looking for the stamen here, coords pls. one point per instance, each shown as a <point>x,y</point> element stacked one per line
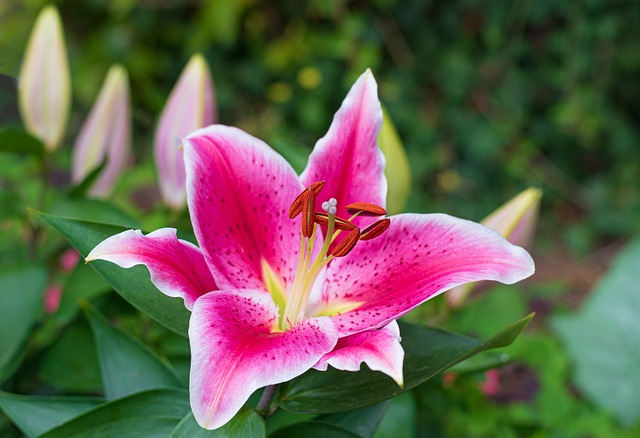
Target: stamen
<point>341,224</point>
<point>347,244</point>
<point>308,210</point>
<point>375,229</point>
<point>366,209</point>
<point>298,203</point>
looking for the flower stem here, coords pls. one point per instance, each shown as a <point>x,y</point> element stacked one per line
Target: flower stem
<point>266,407</point>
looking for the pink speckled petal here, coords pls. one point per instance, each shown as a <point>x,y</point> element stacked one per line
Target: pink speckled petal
<point>348,157</point>
<point>239,191</point>
<point>177,267</point>
<point>379,349</point>
<point>417,258</point>
<point>236,349</point>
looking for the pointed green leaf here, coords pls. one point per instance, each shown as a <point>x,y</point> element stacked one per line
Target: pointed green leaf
<point>127,365</point>
<point>146,414</point>
<point>313,429</point>
<point>397,170</point>
<point>21,294</point>
<point>363,421</point>
<point>603,338</point>
<point>18,141</point>
<point>34,415</point>
<point>246,424</point>
<point>71,363</point>
<point>132,284</point>
<point>428,352</point>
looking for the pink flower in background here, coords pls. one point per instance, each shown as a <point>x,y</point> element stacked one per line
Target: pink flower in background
<point>52,298</point>
<point>44,85</point>
<point>106,133</point>
<point>191,105</point>
<point>277,287</point>
<point>491,386</point>
<point>69,259</point>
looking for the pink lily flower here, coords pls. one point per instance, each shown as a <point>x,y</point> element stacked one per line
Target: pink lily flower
<point>190,106</point>
<point>272,296</point>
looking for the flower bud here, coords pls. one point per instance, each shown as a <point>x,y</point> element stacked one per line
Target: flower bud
<point>106,133</point>
<point>397,170</point>
<point>516,221</point>
<point>190,106</point>
<point>44,84</point>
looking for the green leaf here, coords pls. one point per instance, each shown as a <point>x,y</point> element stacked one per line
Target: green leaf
<point>94,210</point>
<point>428,351</point>
<point>313,429</point>
<point>397,170</point>
<point>132,284</point>
<point>18,141</point>
<point>363,421</point>
<point>35,415</point>
<point>401,410</point>
<point>603,338</point>
<point>71,363</point>
<point>146,414</point>
<point>21,297</point>
<point>246,424</point>
<point>127,365</point>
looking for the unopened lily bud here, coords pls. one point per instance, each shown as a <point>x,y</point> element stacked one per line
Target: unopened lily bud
<point>44,83</point>
<point>397,170</point>
<point>516,221</point>
<point>106,133</point>
<point>190,106</point>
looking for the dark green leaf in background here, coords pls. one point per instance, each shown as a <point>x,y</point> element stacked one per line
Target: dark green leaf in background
<point>147,414</point>
<point>132,284</point>
<point>18,141</point>
<point>428,351</point>
<point>362,421</point>
<point>246,424</point>
<point>21,301</point>
<point>35,415</point>
<point>313,429</point>
<point>603,338</point>
<point>127,365</point>
<point>71,363</point>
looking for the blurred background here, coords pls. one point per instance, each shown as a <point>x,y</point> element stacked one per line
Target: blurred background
<point>489,98</point>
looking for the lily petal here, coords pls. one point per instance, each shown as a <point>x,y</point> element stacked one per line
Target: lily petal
<point>235,350</point>
<point>177,267</point>
<point>348,157</point>
<point>417,258</point>
<point>239,191</point>
<point>379,349</point>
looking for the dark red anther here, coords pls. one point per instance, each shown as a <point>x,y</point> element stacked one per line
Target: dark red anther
<point>308,210</point>
<point>347,244</point>
<point>375,229</point>
<point>340,224</point>
<point>366,209</point>
<point>298,203</point>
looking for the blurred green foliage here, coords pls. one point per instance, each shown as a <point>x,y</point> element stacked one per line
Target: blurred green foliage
<point>488,97</point>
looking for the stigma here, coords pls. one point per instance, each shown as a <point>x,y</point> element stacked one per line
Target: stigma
<point>331,226</point>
